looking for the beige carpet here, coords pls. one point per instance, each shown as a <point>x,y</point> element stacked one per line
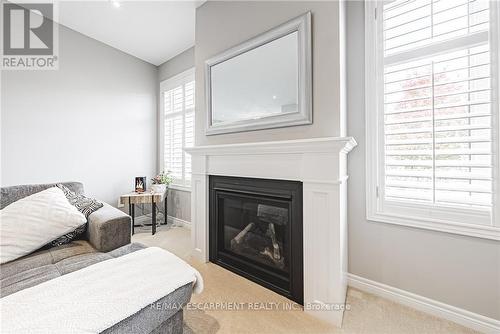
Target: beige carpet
<point>368,314</point>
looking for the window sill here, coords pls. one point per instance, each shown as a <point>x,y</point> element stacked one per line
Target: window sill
<point>180,188</point>
<point>478,231</point>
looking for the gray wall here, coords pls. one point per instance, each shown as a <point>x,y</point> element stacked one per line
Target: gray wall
<point>93,120</point>
<point>178,64</point>
<point>179,202</point>
<point>457,270</point>
<point>221,25</point>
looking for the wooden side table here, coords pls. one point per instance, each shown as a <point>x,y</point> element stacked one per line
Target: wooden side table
<point>144,198</point>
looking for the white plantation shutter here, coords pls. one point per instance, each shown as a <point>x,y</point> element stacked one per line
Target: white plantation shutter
<point>436,96</point>
<point>437,107</point>
<point>188,128</point>
<point>413,24</point>
<point>178,116</point>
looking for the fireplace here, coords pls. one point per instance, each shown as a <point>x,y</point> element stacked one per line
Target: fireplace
<point>256,231</point>
<point>318,166</point>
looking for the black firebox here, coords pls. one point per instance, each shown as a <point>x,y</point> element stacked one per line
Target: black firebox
<point>256,231</point>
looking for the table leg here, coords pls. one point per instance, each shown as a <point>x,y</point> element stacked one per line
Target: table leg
<point>131,209</point>
<point>165,210</point>
<point>153,223</point>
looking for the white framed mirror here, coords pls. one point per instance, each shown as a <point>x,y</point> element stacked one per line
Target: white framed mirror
<point>265,82</point>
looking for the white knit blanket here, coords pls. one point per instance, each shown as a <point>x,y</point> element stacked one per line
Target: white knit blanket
<point>97,297</point>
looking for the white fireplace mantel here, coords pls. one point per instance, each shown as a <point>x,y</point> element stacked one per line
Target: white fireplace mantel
<point>320,164</point>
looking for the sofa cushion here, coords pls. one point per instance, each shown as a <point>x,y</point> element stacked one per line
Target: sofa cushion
<point>80,261</point>
<point>12,274</point>
<point>74,248</point>
<point>35,260</point>
<point>45,257</point>
<point>44,265</point>
<point>33,221</point>
<point>28,278</point>
<point>126,249</point>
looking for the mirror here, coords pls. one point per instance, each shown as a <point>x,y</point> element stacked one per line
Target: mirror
<point>243,89</point>
<point>262,83</point>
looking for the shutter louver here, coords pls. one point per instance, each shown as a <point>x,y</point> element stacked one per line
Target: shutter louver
<point>179,131</point>
<point>437,102</point>
<point>189,128</point>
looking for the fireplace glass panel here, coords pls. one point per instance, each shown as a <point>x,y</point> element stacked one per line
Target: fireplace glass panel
<point>256,228</point>
<point>256,231</point>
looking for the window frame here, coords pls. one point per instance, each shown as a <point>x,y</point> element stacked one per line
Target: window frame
<point>463,221</point>
<point>166,85</point>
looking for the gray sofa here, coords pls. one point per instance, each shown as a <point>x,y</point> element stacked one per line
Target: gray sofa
<point>108,235</point>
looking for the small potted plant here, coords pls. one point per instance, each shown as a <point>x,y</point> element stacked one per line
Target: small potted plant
<point>160,182</point>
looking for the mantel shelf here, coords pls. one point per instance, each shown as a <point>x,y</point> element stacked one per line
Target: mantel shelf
<point>313,145</point>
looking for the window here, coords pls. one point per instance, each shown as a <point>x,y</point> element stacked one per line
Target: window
<point>177,106</point>
<point>432,111</point>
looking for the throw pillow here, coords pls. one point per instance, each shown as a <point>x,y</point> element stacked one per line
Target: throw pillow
<point>85,205</point>
<point>33,221</point>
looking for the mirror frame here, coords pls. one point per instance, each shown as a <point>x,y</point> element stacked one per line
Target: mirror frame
<point>303,116</point>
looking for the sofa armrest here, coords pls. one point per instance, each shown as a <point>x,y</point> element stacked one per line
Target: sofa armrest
<point>108,228</point>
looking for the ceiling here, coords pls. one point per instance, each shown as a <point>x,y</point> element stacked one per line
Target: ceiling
<point>154,31</point>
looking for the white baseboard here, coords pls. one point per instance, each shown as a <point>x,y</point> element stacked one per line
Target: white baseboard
<point>178,221</point>
<point>460,316</point>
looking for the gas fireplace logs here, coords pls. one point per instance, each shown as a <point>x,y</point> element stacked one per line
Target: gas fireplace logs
<point>268,217</point>
<point>239,238</point>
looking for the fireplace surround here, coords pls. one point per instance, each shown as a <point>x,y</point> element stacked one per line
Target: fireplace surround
<point>320,164</point>
<point>256,231</point>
